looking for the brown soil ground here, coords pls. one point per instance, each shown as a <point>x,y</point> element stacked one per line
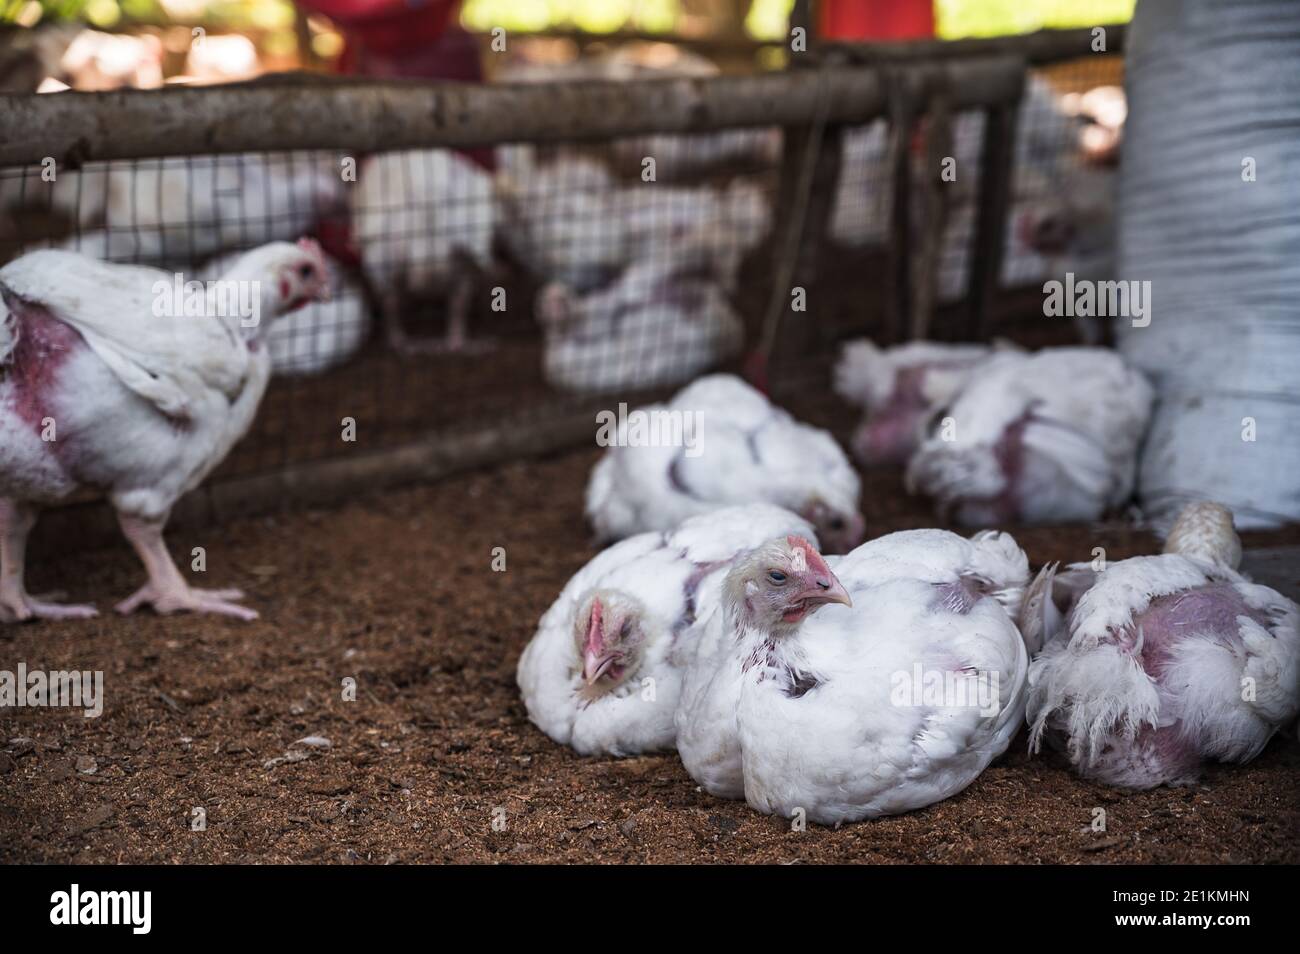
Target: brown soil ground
<point>396,591</point>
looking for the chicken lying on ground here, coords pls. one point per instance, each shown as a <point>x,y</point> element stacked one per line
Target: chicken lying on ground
<point>570,221</point>
<point>1051,436</point>
<point>895,699</point>
<point>423,221</point>
<point>182,209</point>
<point>720,442</point>
<point>556,218</point>
<point>660,323</point>
<point>1156,664</point>
<point>900,388</point>
<point>602,673</point>
<point>98,389</point>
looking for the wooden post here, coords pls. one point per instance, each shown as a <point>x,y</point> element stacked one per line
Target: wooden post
<point>997,160</point>
<point>902,124</point>
<point>934,193</point>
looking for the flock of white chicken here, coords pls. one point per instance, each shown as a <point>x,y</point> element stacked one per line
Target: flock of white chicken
<point>831,688</point>
<point>637,277</point>
<point>996,434</point>
<point>837,688</point>
<point>738,615</point>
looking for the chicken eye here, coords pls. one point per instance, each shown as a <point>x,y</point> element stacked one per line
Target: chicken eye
<point>837,523</point>
<point>776,576</point>
<point>304,271</point>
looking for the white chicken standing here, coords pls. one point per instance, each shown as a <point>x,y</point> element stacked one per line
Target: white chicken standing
<point>735,447</point>
<point>899,388</point>
<point>320,335</point>
<point>603,671</point>
<point>107,383</point>
<point>893,700</point>
<point>1156,664</point>
<point>1050,436</point>
<point>658,324</point>
<point>423,220</point>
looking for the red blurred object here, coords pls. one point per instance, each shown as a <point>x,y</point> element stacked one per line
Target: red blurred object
<point>875,19</point>
<point>405,39</point>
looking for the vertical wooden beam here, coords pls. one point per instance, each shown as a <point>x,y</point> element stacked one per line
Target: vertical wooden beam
<point>902,123</point>
<point>934,193</point>
<point>997,171</point>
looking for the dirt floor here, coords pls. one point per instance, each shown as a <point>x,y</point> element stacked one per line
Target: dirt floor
<point>396,592</point>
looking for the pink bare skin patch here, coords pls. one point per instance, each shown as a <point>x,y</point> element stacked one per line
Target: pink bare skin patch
<point>959,597</point>
<point>891,434</point>
<point>1206,610</point>
<point>44,345</point>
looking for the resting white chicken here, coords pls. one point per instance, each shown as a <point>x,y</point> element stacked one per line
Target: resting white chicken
<point>658,324</point>
<point>733,447</point>
<point>603,671</point>
<point>570,221</point>
<point>423,221</point>
<point>1156,664</point>
<point>321,334</point>
<point>182,209</point>
<point>105,384</point>
<point>702,228</point>
<point>899,388</point>
<point>893,700</point>
<point>1051,436</point>
<point>557,220</point>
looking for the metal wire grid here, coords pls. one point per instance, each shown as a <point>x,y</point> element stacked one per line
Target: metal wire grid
<point>1059,217</point>
<point>578,270</point>
<point>1061,209</point>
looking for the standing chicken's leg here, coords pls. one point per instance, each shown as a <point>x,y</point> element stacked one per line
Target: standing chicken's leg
<point>16,522</point>
<point>167,592</point>
<point>458,314</point>
<point>456,341</point>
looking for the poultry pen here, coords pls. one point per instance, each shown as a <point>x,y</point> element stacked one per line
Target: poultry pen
<point>545,196</point>
<point>764,185</point>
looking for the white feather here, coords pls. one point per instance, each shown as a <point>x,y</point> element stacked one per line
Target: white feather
<point>658,570</point>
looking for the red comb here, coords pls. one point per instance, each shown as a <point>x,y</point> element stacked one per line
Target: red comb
<point>312,248</point>
<point>815,561</point>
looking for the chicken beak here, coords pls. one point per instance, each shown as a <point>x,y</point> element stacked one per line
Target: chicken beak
<point>825,589</point>
<point>595,661</point>
<point>595,665</point>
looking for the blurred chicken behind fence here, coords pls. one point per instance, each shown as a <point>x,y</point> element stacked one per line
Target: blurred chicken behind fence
<point>534,281</point>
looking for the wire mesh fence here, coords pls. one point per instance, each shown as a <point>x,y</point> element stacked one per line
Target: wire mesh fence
<point>509,282</point>
<point>1059,213</point>
<point>467,286</point>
